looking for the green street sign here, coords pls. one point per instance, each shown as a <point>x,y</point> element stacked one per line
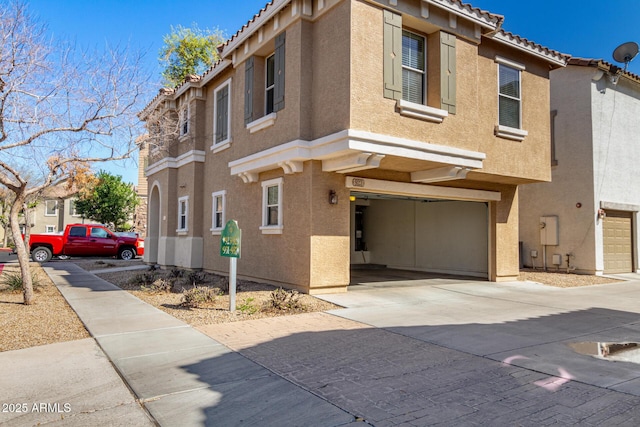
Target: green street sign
<point>230,240</point>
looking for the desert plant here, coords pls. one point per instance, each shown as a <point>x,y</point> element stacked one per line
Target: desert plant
<point>286,300</point>
<point>14,281</point>
<point>198,295</point>
<point>247,306</point>
<point>196,277</point>
<point>158,286</point>
<point>176,272</point>
<point>143,279</point>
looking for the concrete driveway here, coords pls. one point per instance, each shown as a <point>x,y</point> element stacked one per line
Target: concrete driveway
<point>524,324</point>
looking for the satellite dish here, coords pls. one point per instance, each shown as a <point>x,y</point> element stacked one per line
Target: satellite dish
<point>625,53</point>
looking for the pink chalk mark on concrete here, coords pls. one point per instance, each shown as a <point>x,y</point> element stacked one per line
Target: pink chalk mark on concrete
<point>554,383</point>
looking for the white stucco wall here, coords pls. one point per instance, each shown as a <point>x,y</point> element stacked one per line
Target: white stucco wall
<point>597,136</point>
<point>616,140</point>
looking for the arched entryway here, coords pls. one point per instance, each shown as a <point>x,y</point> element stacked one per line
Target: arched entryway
<point>153,226</point>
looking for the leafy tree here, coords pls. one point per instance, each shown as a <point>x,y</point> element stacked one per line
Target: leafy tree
<point>188,51</point>
<point>60,108</point>
<point>109,201</point>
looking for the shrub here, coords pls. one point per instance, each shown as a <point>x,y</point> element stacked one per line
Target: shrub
<point>247,307</point>
<point>159,285</point>
<point>143,279</point>
<point>198,295</point>
<point>14,281</point>
<point>176,272</point>
<point>196,277</point>
<point>286,300</point>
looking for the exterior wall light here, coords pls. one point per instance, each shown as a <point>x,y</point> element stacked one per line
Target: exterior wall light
<point>601,214</point>
<point>352,198</point>
<point>333,197</point>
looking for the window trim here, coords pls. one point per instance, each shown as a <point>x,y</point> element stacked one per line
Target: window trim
<point>422,72</point>
<point>225,143</point>
<point>223,194</point>
<point>185,118</point>
<point>184,229</point>
<point>502,131</point>
<point>55,208</point>
<point>272,229</point>
<point>271,88</point>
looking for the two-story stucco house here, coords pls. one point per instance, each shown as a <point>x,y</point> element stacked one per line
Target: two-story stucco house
<point>590,210</point>
<point>353,131</point>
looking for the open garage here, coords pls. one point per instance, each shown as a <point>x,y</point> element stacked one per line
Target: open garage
<point>432,235</point>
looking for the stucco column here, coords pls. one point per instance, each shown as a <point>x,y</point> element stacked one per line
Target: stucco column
<point>329,263</point>
<point>503,226</point>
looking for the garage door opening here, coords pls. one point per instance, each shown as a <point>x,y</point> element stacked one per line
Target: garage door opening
<point>426,237</point>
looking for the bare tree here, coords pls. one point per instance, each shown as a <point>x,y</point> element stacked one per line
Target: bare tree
<point>60,109</point>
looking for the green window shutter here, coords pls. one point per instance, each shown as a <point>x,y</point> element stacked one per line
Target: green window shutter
<point>392,63</point>
<point>222,113</point>
<point>248,90</point>
<point>448,72</point>
<point>278,87</point>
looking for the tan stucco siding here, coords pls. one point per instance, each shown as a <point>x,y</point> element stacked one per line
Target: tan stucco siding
<point>331,50</point>
<point>503,220</point>
<point>472,125</point>
<point>530,158</point>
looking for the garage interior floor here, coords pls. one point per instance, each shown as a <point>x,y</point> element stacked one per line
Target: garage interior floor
<point>362,275</point>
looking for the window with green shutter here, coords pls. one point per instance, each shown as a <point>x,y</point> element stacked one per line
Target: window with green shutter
<point>407,69</point>
<point>248,89</point>
<point>222,117</point>
<point>279,72</point>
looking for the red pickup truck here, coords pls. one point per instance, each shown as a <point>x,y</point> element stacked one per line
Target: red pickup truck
<point>84,240</point>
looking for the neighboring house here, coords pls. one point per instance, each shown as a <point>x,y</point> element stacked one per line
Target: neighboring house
<point>348,131</point>
<point>54,210</point>
<point>590,210</point>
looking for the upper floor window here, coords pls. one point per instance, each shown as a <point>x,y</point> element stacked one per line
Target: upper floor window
<point>184,120</point>
<point>269,84</point>
<point>261,105</point>
<point>413,67</point>
<point>272,206</point>
<point>183,214</point>
<point>51,207</point>
<point>221,116</point>
<point>510,100</point>
<point>406,70</point>
<point>509,105</point>
<point>218,212</point>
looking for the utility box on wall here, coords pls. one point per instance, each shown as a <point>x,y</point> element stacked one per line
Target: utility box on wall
<point>549,230</point>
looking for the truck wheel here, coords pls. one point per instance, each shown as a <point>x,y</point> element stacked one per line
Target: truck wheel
<point>126,253</point>
<point>41,254</point>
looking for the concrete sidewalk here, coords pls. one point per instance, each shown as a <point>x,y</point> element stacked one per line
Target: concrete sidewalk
<point>181,376</point>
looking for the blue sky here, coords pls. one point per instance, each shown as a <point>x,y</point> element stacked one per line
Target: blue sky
<point>587,28</point>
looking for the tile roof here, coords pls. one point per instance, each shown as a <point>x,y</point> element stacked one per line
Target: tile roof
<point>532,47</point>
<point>602,64</point>
<point>484,17</point>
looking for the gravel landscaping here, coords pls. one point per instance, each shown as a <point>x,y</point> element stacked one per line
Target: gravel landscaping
<point>51,320</point>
